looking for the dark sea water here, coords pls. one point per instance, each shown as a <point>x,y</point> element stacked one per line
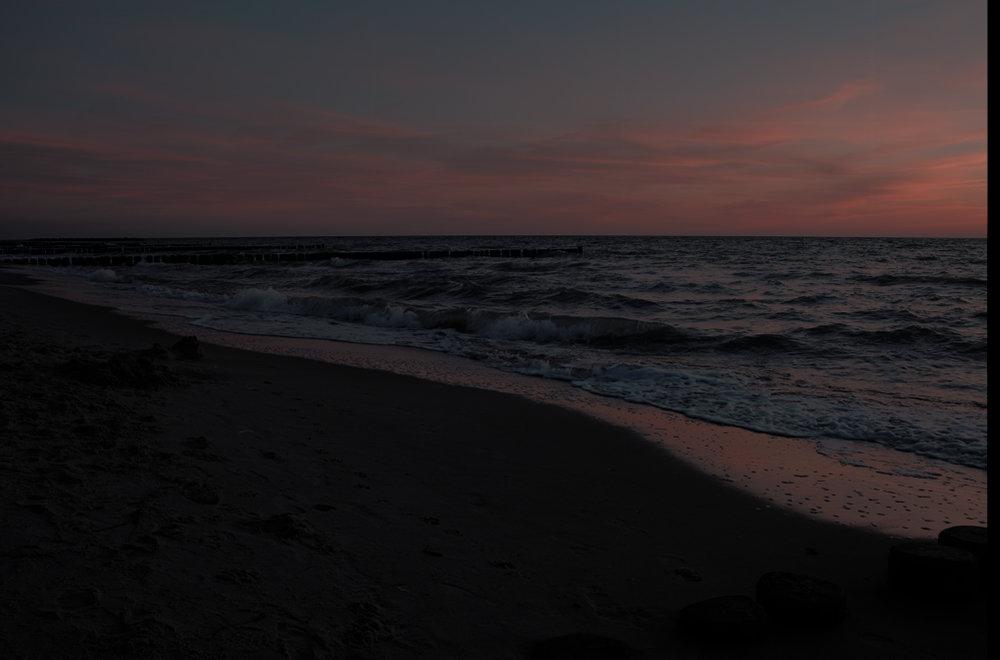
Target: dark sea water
<point>877,340</point>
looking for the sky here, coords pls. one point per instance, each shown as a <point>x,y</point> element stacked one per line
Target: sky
<point>320,118</point>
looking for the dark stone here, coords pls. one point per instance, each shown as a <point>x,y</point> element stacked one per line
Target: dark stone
<point>929,569</point>
<point>688,574</point>
<point>734,619</point>
<point>200,493</point>
<point>801,600</point>
<point>966,537</point>
<point>285,526</point>
<point>581,646</point>
<point>188,347</point>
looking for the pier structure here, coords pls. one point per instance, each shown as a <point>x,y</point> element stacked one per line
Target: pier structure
<point>43,253</point>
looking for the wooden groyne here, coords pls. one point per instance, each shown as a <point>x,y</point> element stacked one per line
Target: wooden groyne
<point>132,255</point>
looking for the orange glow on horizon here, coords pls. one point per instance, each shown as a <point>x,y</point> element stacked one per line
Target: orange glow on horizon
<point>818,166</point>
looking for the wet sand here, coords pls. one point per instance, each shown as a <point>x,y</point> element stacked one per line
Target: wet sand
<point>239,504</point>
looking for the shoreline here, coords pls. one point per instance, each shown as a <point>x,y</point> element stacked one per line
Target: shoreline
<point>859,484</point>
<point>294,508</point>
<point>884,490</point>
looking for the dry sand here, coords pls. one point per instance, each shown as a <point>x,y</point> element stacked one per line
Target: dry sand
<point>243,505</point>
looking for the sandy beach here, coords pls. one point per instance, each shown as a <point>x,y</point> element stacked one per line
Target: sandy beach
<point>175,501</point>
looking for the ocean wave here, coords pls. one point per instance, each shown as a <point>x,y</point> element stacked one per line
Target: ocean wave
<point>823,343</point>
<point>258,300</point>
<point>104,275</point>
<point>528,266</point>
<point>618,333</point>
<point>763,343</point>
<point>908,335</point>
<point>727,397</point>
<point>340,280</point>
<point>163,291</point>
<point>892,280</point>
<point>598,332</point>
<point>902,336</point>
<point>893,315</point>
<point>813,299</point>
<point>571,296</point>
<point>607,332</point>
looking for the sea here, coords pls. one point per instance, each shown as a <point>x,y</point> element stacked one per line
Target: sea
<point>871,340</point>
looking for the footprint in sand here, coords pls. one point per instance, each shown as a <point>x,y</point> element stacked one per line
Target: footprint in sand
<point>603,605</point>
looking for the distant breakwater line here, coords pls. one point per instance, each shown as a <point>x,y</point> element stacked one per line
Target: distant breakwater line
<point>132,255</point>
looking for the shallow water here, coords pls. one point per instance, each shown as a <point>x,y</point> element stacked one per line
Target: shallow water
<point>875,340</point>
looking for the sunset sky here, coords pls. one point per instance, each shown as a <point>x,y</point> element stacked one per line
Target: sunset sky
<point>146,118</point>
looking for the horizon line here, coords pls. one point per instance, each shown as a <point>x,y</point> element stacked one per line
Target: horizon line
<point>501,235</point>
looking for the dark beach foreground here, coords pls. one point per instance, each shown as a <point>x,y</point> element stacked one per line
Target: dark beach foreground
<point>192,501</point>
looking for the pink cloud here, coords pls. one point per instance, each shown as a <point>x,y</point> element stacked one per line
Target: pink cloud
<point>850,161</point>
<point>836,100</point>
